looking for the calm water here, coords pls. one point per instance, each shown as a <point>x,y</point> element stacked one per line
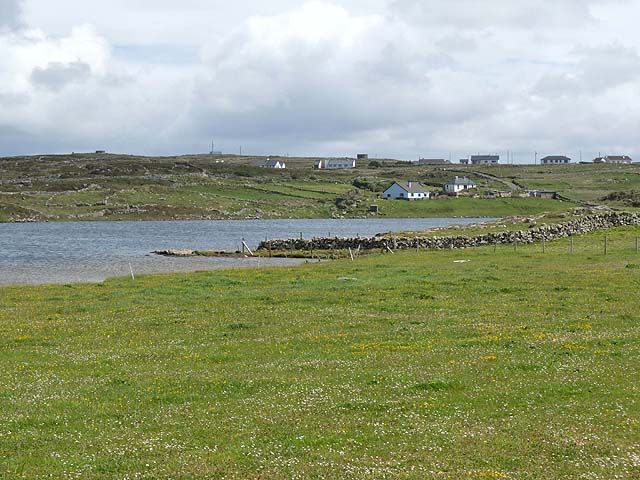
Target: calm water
<point>93,251</point>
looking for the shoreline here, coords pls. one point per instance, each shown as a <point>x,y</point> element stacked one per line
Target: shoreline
<point>185,269</point>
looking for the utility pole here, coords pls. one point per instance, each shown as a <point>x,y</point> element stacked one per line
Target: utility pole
<point>535,160</point>
<point>212,147</point>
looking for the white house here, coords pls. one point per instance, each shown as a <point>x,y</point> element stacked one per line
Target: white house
<point>484,159</point>
<point>555,160</point>
<point>616,159</point>
<point>269,163</point>
<point>459,184</point>
<point>335,164</point>
<point>406,191</point>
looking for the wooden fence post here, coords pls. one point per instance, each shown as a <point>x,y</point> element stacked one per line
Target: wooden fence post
<point>606,244</point>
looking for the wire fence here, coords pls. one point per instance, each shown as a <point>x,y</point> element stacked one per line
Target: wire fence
<point>616,244</point>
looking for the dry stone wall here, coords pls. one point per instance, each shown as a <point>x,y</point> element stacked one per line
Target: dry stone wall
<point>579,226</point>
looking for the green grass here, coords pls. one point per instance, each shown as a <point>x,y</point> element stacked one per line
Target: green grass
<point>515,365</point>
<point>119,187</point>
<point>471,207</point>
<point>578,182</point>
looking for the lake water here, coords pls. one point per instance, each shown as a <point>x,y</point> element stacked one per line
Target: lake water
<point>36,253</point>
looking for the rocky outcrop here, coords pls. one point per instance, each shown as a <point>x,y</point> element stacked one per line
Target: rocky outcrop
<point>579,226</point>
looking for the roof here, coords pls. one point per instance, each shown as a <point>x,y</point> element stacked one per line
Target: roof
<point>461,181</point>
<point>613,159</point>
<point>410,187</point>
<point>340,160</point>
<point>557,158</point>
<point>485,158</point>
<point>272,163</point>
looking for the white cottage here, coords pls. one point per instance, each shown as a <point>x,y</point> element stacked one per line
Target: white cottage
<point>274,164</point>
<point>336,164</point>
<point>459,184</point>
<point>406,191</point>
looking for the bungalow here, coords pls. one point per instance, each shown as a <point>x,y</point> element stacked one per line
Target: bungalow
<point>335,164</point>
<point>459,184</point>
<point>485,159</point>
<point>406,191</point>
<point>615,159</point>
<point>555,160</point>
<point>269,163</point>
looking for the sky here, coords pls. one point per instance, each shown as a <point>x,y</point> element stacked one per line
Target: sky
<point>392,78</point>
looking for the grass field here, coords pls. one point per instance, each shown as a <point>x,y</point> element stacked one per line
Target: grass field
<point>120,187</point>
<point>511,365</point>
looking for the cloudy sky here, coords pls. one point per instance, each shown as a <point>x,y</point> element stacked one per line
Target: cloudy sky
<point>396,78</point>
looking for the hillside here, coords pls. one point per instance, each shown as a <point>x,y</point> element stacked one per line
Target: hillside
<point>117,187</point>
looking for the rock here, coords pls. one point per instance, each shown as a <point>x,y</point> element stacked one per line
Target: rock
<point>175,253</point>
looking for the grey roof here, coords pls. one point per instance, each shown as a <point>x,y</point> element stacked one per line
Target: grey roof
<point>485,158</point>
<point>415,187</point>
<point>557,158</point>
<point>461,181</point>
<point>271,163</point>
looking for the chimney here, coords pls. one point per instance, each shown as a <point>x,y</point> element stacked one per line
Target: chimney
<point>409,183</point>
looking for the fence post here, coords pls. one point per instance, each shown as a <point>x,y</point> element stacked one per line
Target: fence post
<point>637,244</point>
<point>242,243</point>
<point>606,244</point>
<point>515,246</point>
<point>571,246</point>
<point>543,245</point>
<point>495,246</point>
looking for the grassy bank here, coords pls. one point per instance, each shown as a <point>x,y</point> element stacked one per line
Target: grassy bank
<point>512,364</point>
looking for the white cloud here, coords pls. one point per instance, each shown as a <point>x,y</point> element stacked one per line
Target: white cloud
<point>397,77</point>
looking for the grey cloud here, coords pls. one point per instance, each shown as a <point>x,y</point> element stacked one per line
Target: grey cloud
<point>457,44</point>
<point>596,71</point>
<point>10,14</point>
<point>55,76</point>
